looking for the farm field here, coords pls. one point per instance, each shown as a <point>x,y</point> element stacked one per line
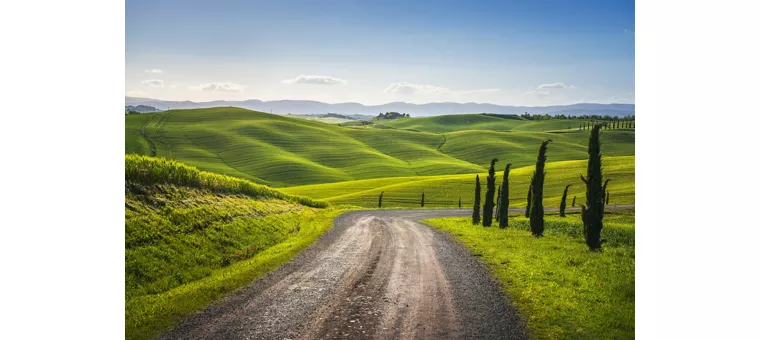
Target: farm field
<point>444,191</point>
<point>562,290</point>
<point>192,237</point>
<point>281,151</point>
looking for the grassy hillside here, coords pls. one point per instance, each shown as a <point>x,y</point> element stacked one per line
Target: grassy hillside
<point>461,122</point>
<point>445,190</point>
<point>563,290</point>
<point>282,151</point>
<point>192,236</point>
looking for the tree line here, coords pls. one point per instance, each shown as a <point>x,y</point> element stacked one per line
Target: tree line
<point>592,213</point>
<point>612,125</point>
<point>547,116</point>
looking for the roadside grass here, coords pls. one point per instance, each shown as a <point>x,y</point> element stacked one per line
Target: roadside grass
<point>192,237</point>
<point>562,290</point>
<point>283,151</point>
<point>445,190</point>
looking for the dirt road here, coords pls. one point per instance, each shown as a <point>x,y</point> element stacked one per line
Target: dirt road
<point>375,275</point>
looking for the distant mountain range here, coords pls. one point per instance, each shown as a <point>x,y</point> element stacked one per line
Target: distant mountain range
<point>430,109</point>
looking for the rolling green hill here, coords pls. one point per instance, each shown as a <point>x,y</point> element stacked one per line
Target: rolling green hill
<point>281,151</point>
<point>461,122</point>
<point>445,190</point>
<point>191,237</point>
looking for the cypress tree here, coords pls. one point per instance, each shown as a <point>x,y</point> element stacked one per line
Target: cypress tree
<point>530,200</point>
<point>498,203</point>
<point>504,204</point>
<point>460,202</point>
<point>607,201</point>
<point>562,204</point>
<point>490,191</point>
<point>422,202</point>
<point>573,201</point>
<point>592,213</point>
<point>476,206</point>
<point>537,207</point>
<point>380,200</point>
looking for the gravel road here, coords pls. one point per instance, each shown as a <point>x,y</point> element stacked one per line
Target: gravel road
<point>374,275</point>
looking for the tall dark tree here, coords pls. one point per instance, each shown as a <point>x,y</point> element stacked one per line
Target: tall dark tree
<point>490,191</point>
<point>592,213</point>
<point>498,203</point>
<point>380,200</point>
<point>607,201</point>
<point>460,202</point>
<point>422,202</point>
<point>476,206</point>
<point>562,204</point>
<point>530,200</point>
<point>504,203</point>
<point>574,201</point>
<point>537,207</point>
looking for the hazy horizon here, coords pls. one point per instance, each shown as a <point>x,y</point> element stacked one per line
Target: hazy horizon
<point>365,104</point>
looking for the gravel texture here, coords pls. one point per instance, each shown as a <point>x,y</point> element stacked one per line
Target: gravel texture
<point>375,275</point>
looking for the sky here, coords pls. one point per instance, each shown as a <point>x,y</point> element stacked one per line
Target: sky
<point>522,52</point>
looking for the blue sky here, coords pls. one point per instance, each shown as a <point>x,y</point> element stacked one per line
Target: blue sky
<point>373,52</point>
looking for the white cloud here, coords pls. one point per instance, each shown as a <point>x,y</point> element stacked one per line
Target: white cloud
<point>172,86</point>
<point>153,82</point>
<point>537,93</point>
<point>136,93</point>
<point>481,91</point>
<point>315,80</point>
<point>153,70</point>
<point>409,88</point>
<point>222,87</point>
<point>552,86</point>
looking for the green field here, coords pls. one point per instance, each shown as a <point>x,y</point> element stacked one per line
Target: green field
<point>461,122</point>
<point>281,151</point>
<point>445,190</point>
<point>191,237</point>
<point>561,289</point>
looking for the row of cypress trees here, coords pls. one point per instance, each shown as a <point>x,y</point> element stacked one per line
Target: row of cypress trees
<point>615,124</point>
<point>592,213</point>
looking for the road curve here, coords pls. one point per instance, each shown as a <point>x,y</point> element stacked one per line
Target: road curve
<point>374,275</point>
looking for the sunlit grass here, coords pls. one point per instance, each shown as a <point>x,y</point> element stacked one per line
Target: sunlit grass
<point>561,289</point>
<point>192,237</point>
<point>283,151</point>
<point>445,190</point>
